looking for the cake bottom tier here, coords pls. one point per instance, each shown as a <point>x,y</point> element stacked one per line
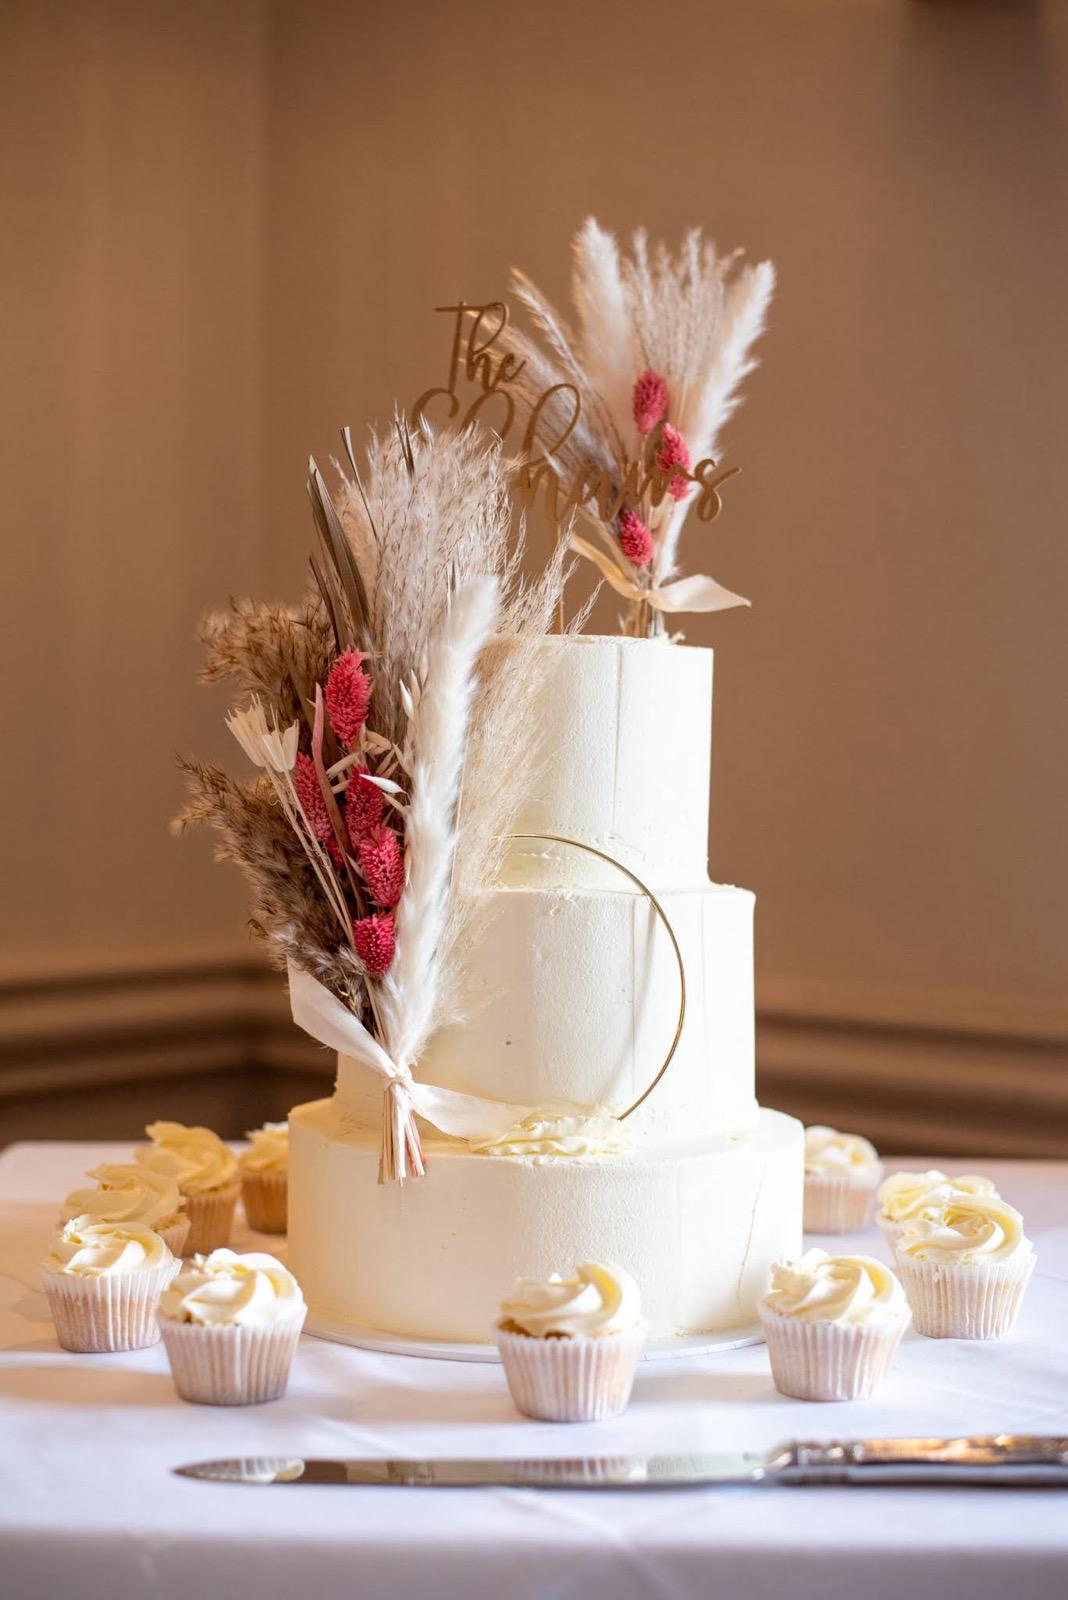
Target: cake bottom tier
<point>698,1226</point>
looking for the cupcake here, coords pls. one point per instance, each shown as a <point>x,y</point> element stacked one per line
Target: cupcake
<point>264,1171</point>
<point>132,1193</point>
<point>206,1173</point>
<point>842,1173</point>
<point>230,1325</point>
<point>833,1325</point>
<point>905,1195</point>
<point>965,1265</point>
<point>103,1282</point>
<point>570,1345</point>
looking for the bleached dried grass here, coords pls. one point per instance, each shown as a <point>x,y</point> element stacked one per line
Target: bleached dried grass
<point>427,516</point>
<point>691,316</point>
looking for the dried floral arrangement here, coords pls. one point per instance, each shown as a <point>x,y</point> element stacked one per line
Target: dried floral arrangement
<point>387,722</point>
<point>635,397</point>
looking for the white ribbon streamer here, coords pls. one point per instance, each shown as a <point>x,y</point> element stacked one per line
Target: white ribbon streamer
<point>463,1116</point>
<point>695,593</point>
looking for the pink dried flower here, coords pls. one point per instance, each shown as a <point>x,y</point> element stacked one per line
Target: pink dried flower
<point>364,804</point>
<point>382,865</point>
<point>673,451</point>
<point>348,689</point>
<point>310,795</point>
<point>635,539</point>
<point>650,401</point>
<point>374,940</point>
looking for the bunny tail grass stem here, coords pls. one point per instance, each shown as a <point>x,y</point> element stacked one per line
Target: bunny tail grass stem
<point>438,736</point>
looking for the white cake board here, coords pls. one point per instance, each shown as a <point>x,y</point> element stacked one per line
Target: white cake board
<point>668,1349</point>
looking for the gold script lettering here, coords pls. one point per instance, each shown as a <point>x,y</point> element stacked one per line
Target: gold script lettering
<point>534,470</point>
<point>478,363</point>
<point>475,331</point>
<point>709,505</point>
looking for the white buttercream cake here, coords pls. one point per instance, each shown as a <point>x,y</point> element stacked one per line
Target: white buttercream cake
<point>575,998</point>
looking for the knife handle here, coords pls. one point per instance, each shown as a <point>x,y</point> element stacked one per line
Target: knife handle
<point>998,1459</point>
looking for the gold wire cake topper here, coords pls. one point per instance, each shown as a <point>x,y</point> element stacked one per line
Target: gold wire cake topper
<point>577,844</point>
<point>493,1127</point>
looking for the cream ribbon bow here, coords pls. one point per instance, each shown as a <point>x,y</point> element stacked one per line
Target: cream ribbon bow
<point>695,593</point>
<point>464,1116</point>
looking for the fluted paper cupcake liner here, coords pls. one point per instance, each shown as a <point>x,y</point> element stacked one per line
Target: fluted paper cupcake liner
<point>264,1195</point>
<point>115,1311</point>
<point>228,1364</point>
<point>971,1300</point>
<point>211,1218</point>
<point>837,1204</point>
<point>175,1235</point>
<point>570,1380</point>
<point>829,1360</point>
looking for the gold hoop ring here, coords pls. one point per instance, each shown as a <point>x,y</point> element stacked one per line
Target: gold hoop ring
<point>576,844</point>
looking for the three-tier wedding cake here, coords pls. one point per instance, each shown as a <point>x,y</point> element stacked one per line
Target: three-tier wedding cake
<point>476,839</point>
<point>575,999</point>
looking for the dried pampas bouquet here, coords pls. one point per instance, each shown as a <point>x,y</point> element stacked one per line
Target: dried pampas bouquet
<point>385,716</point>
<point>631,401</point>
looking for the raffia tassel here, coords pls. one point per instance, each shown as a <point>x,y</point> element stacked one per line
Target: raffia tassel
<point>402,1154</point>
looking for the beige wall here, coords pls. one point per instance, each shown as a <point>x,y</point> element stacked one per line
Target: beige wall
<point>133,271</point>
<point>226,227</point>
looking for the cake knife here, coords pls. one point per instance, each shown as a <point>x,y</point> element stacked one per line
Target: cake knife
<point>1001,1459</point>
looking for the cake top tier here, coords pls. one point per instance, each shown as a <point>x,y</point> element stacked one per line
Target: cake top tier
<point>625,764</point>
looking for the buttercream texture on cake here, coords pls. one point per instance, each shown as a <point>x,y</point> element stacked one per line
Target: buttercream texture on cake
<point>573,994</point>
<point>629,737</point>
<point>573,1001</point>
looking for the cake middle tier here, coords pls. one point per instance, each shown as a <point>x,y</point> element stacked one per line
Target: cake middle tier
<point>574,997</point>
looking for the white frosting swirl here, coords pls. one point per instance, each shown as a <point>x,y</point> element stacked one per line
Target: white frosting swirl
<point>598,1300</point>
<point>963,1230</point>
<point>906,1194</point>
<point>195,1157</point>
<point>270,1149</point>
<point>253,1290</point>
<point>126,1193</point>
<point>835,1154</point>
<point>545,1135</point>
<point>826,1288</point>
<point>93,1249</point>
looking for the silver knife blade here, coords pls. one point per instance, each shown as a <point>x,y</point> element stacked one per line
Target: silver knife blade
<point>1001,1459</point>
<point>552,1472</point>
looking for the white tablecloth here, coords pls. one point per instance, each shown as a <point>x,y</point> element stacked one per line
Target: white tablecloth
<point>89,1505</point>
